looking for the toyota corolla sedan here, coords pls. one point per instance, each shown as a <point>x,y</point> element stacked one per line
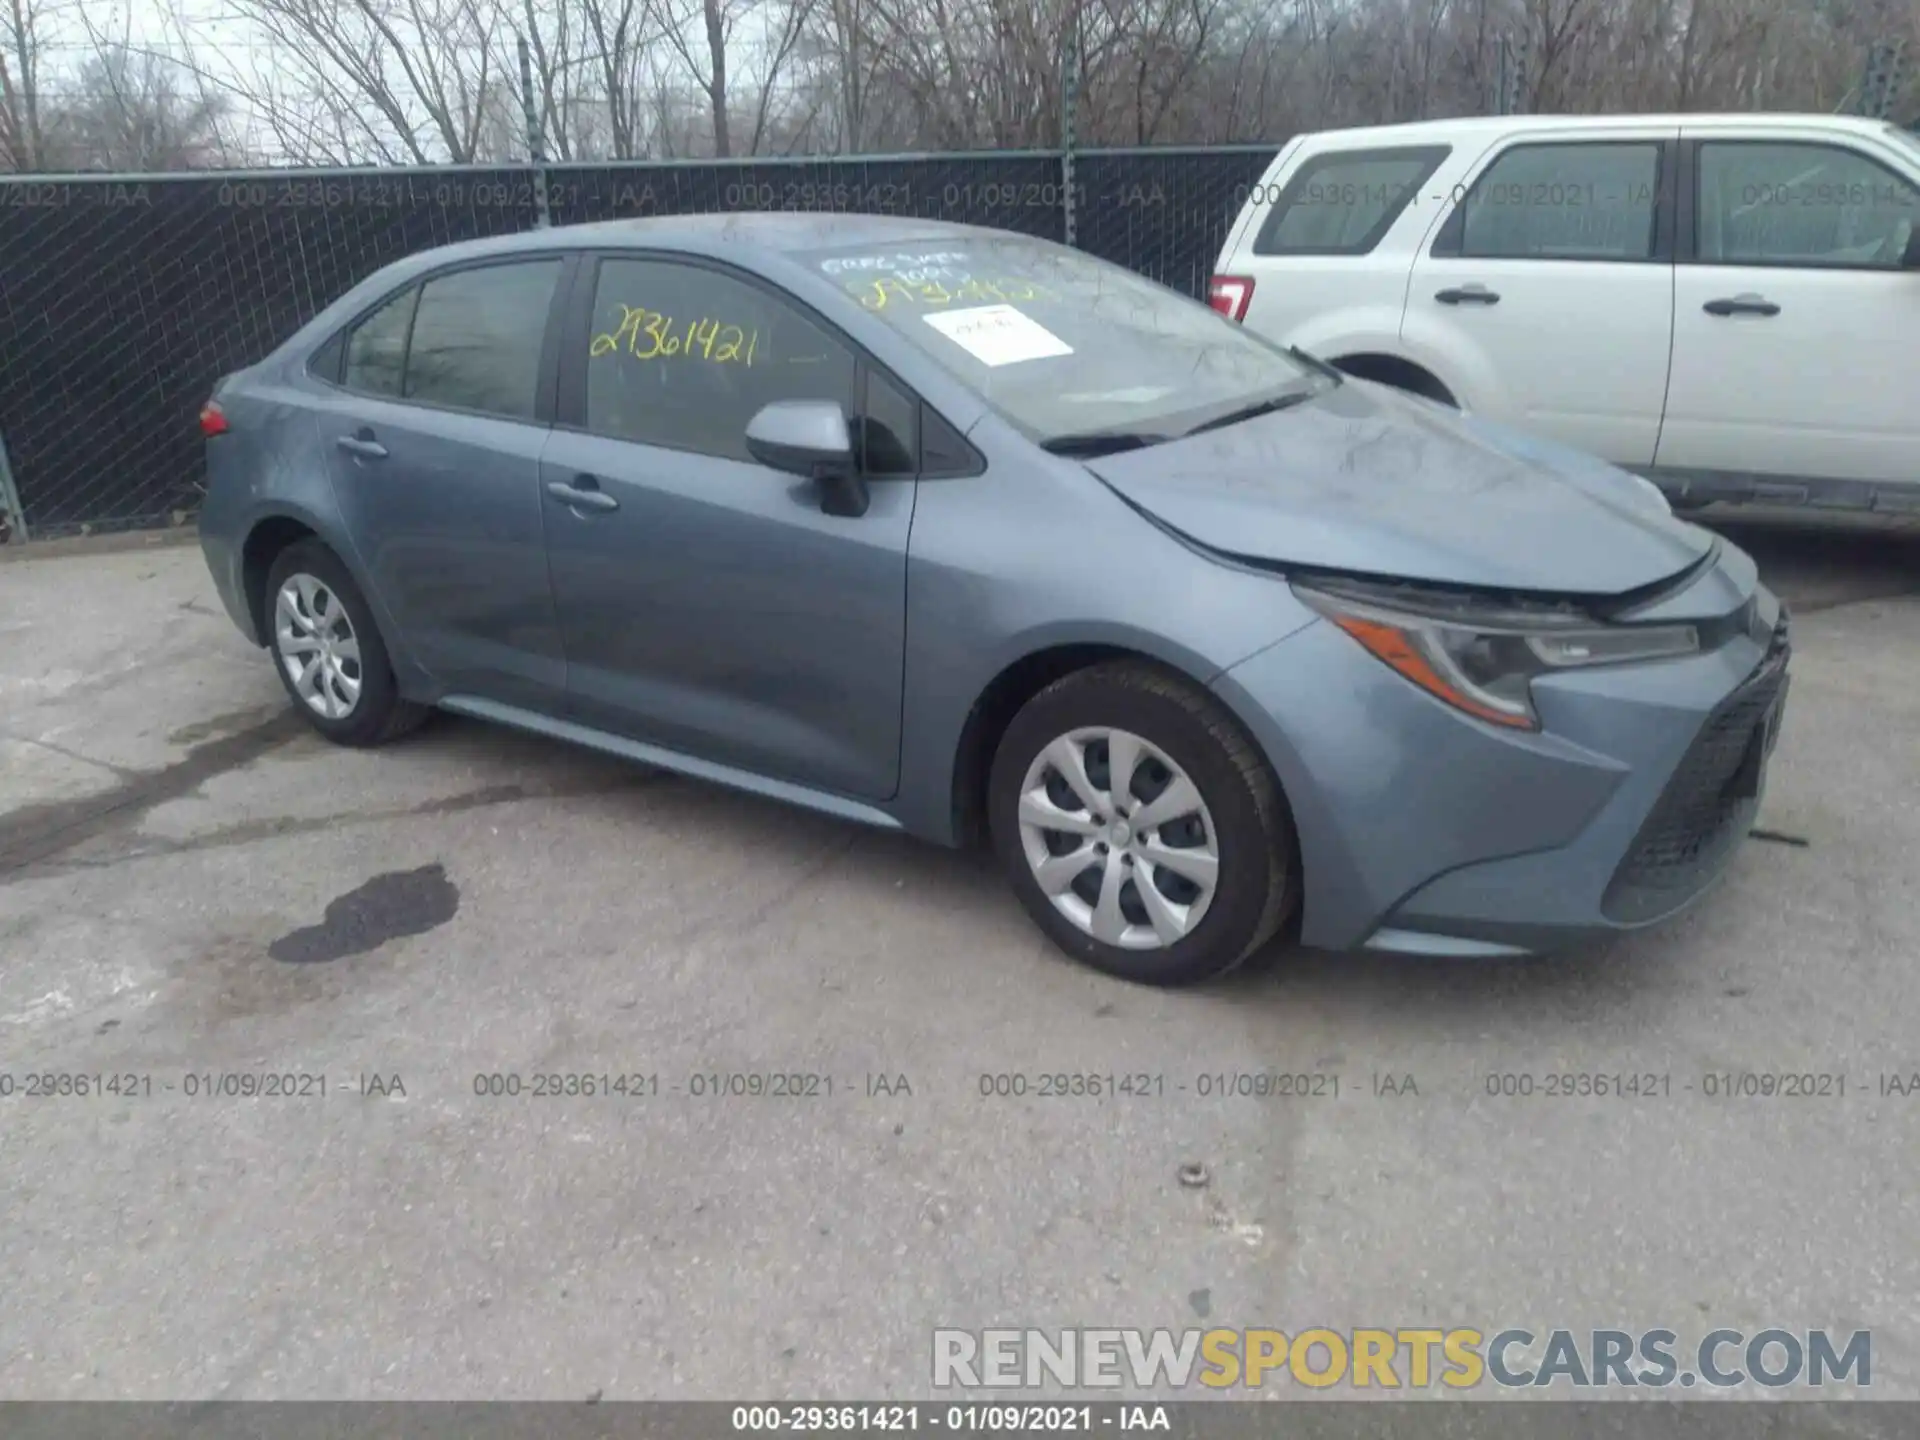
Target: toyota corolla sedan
<point>971,535</point>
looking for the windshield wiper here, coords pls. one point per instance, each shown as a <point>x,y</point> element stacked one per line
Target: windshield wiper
<point>1259,407</point>
<point>1089,443</point>
<point>1315,363</point>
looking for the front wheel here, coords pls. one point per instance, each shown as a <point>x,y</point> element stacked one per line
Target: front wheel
<point>1140,828</point>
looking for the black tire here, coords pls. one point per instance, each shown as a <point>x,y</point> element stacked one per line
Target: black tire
<point>1255,891</point>
<point>378,714</point>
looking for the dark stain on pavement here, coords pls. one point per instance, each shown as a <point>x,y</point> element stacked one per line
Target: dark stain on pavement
<point>387,907</point>
<point>39,832</point>
<point>229,724</point>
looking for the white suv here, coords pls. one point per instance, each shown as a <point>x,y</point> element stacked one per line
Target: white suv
<point>1728,304</point>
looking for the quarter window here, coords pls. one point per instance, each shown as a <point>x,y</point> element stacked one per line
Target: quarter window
<point>683,356</point>
<point>1801,205</point>
<point>889,429</point>
<point>1564,202</point>
<point>1344,203</point>
<point>478,335</point>
<point>377,349</point>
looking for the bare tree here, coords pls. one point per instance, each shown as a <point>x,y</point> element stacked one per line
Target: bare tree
<point>396,79</point>
<point>132,112</point>
<point>25,28</point>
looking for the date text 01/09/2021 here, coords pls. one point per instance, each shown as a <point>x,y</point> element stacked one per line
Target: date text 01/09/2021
<point>961,1419</point>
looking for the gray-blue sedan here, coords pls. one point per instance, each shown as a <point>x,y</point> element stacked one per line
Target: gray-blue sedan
<point>972,535</point>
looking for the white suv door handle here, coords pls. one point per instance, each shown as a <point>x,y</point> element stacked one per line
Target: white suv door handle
<point>1747,304</point>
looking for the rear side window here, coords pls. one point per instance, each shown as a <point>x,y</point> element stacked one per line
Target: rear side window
<point>377,349</point>
<point>1344,203</point>
<point>478,337</point>
<point>1588,201</point>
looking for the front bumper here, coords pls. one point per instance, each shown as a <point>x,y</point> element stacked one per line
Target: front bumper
<point>1423,831</point>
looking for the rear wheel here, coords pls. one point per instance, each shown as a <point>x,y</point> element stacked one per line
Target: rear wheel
<point>1140,828</point>
<point>328,652</point>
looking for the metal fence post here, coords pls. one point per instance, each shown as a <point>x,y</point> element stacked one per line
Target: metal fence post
<point>13,519</point>
<point>536,145</point>
<point>1069,106</point>
<point>1880,85</point>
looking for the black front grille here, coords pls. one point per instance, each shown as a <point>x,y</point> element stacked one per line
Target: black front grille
<point>1701,816</point>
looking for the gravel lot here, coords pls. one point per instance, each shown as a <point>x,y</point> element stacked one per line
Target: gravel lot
<point>193,887</point>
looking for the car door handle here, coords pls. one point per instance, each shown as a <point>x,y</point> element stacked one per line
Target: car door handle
<point>363,445</point>
<point>1468,295</point>
<point>1748,304</point>
<point>591,498</point>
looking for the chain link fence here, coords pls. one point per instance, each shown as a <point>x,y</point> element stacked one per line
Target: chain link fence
<point>123,299</point>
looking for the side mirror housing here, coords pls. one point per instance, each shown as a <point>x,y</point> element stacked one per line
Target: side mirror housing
<point>811,439</point>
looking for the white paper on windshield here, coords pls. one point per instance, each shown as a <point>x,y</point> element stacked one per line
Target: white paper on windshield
<point>998,334</point>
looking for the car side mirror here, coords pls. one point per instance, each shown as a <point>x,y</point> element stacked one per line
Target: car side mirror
<point>811,438</point>
<point>1910,257</point>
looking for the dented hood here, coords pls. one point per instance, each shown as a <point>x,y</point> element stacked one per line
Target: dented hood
<point>1367,481</point>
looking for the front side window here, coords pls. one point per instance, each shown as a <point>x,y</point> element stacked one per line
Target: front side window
<point>477,338</point>
<point>1344,203</point>
<point>684,356</point>
<point>1061,343</point>
<point>1801,205</point>
<point>1588,201</point>
<point>377,348</point>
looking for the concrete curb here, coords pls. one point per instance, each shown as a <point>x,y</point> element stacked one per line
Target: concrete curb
<point>73,545</point>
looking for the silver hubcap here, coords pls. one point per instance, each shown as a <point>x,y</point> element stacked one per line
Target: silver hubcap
<point>316,643</point>
<point>1119,838</point>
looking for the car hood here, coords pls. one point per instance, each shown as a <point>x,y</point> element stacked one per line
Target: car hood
<point>1367,481</point>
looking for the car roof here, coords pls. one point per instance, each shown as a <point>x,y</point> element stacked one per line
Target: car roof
<point>1491,126</point>
<point>770,233</point>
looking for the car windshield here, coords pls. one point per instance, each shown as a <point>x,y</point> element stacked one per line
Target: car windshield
<point>1065,345</point>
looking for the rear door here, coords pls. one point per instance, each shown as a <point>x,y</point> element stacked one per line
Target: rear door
<point>434,434</point>
<point>708,604</point>
<point>1795,326</point>
<point>1545,298</point>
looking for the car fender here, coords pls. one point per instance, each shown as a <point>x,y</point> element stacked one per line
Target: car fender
<point>1456,362</point>
<point>942,700</point>
<point>1356,330</point>
<point>416,683</point>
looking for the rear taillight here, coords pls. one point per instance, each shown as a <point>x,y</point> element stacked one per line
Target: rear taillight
<point>213,420</point>
<point>1230,295</point>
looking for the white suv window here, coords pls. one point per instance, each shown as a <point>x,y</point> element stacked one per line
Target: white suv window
<point>1587,201</point>
<point>1343,202</point>
<point>1801,204</point>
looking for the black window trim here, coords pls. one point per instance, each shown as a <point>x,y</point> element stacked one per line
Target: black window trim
<point>1450,242</point>
<point>544,392</point>
<point>576,329</point>
<point>337,340</point>
<point>1688,251</point>
<point>1434,155</point>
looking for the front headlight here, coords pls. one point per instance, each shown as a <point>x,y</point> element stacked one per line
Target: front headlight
<point>1482,658</point>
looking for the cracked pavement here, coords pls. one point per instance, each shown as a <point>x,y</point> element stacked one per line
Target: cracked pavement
<point>473,904</point>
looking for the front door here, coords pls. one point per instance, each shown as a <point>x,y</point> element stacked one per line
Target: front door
<point>1794,326</point>
<point>434,437</point>
<point>1546,295</point>
<point>706,602</point>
